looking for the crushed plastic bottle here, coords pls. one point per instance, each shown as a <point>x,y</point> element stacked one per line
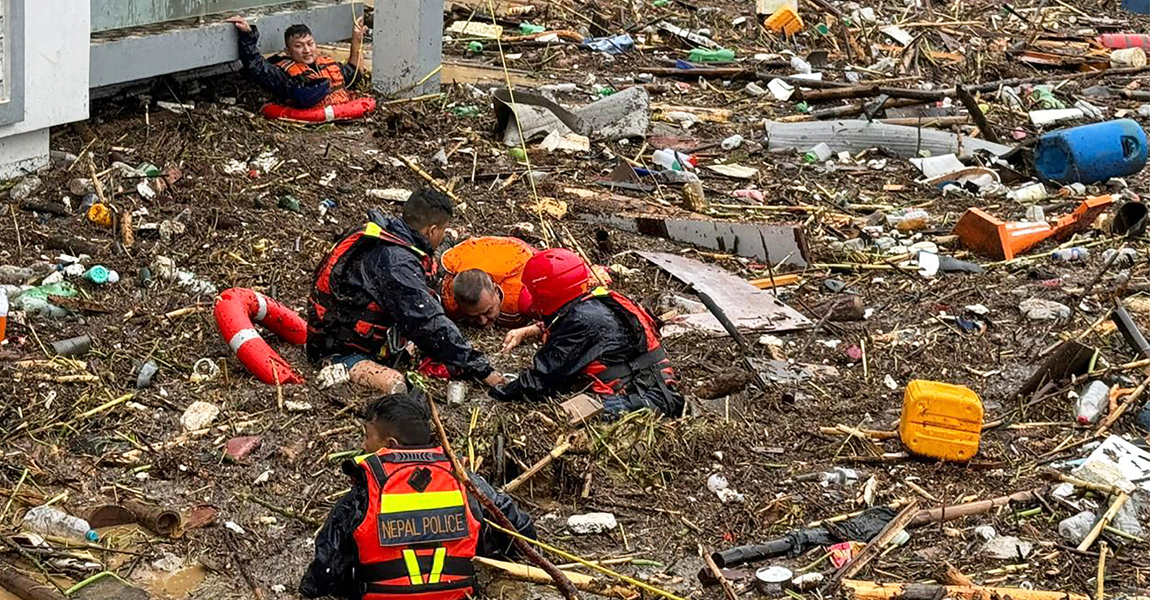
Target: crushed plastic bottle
<point>49,520</point>
<point>800,66</point>
<point>1074,254</point>
<point>672,160</point>
<point>1092,401</point>
<point>1074,529</point>
<point>819,154</point>
<point>732,142</point>
<point>63,289</point>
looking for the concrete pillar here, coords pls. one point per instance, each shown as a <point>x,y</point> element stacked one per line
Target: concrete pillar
<point>407,44</point>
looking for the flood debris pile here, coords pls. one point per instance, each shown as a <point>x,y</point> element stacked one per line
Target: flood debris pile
<point>897,252</point>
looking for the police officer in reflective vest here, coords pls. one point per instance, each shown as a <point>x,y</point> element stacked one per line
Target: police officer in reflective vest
<point>407,529</point>
<point>592,337</point>
<point>300,77</point>
<point>373,293</point>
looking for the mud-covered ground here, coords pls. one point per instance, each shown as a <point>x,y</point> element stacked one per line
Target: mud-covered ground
<point>59,438</point>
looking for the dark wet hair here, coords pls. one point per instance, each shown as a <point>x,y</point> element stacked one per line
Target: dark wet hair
<point>295,31</point>
<point>427,206</point>
<point>404,417</point>
<point>468,286</point>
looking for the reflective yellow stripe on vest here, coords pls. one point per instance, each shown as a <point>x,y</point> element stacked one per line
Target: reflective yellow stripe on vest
<point>398,503</point>
<point>412,563</point>
<point>437,565</point>
<point>600,291</point>
<point>372,230</point>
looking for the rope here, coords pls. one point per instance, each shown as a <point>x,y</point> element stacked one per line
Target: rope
<point>546,230</point>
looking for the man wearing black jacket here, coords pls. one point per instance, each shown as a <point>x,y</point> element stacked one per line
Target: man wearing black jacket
<point>398,531</point>
<point>593,338</point>
<point>300,77</point>
<point>372,294</point>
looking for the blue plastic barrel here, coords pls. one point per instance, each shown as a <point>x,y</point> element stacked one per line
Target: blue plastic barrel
<point>1091,153</point>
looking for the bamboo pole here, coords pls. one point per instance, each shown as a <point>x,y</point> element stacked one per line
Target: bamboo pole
<point>869,590</point>
<point>531,574</point>
<point>556,452</point>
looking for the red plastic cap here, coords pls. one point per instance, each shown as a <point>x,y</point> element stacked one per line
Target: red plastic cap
<point>551,279</point>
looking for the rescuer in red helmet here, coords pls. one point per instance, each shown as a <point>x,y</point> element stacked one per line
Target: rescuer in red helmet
<point>407,528</point>
<point>590,336</point>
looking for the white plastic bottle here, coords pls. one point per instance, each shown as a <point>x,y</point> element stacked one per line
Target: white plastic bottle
<point>1092,401</point>
<point>49,520</point>
<point>671,160</point>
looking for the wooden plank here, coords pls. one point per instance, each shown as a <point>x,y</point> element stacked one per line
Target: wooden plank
<point>779,280</point>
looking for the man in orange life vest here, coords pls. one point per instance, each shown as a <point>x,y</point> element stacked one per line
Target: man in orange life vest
<point>372,294</point>
<point>407,526</point>
<point>300,77</point>
<point>593,337</point>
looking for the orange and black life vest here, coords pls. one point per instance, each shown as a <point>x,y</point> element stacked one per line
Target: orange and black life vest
<point>322,68</point>
<point>650,368</point>
<point>344,322</point>
<point>419,535</point>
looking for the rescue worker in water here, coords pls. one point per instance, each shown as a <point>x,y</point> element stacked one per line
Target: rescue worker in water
<point>407,526</point>
<point>591,337</point>
<point>373,293</point>
<point>300,77</point>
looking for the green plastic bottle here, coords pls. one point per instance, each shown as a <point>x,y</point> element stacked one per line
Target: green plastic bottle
<point>475,48</point>
<point>528,29</point>
<point>706,55</point>
<point>63,289</point>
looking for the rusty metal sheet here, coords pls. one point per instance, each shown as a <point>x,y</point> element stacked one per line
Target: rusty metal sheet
<point>778,244</point>
<point>748,307</point>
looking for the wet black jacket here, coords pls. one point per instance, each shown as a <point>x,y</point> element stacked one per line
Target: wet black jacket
<point>298,92</point>
<point>393,277</point>
<point>330,573</point>
<point>581,333</point>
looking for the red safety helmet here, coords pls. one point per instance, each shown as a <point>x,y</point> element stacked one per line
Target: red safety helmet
<point>551,279</point>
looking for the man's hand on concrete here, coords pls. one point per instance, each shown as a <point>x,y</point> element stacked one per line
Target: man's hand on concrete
<point>240,23</point>
<point>494,379</point>
<point>357,30</point>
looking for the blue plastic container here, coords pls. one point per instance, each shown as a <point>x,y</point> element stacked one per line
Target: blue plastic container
<point>1141,7</point>
<point>1091,153</point>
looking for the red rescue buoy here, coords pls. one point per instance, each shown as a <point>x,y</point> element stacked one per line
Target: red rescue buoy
<point>352,109</point>
<point>236,309</point>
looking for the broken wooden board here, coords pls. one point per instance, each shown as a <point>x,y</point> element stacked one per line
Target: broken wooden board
<point>748,307</point>
<point>469,72</point>
<point>777,244</point>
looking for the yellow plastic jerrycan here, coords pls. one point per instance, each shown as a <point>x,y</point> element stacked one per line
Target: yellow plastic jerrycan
<point>785,20</point>
<point>941,420</point>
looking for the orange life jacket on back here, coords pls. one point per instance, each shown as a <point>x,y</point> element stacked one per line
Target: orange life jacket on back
<point>419,535</point>
<point>339,323</point>
<point>322,68</point>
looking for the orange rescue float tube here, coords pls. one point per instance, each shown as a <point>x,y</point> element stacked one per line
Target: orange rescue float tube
<point>344,111</point>
<point>236,309</point>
